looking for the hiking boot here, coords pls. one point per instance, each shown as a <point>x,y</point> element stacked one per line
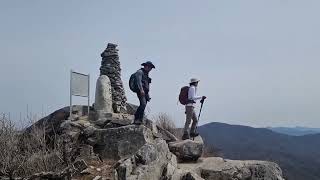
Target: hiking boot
<point>194,134</point>
<point>185,136</point>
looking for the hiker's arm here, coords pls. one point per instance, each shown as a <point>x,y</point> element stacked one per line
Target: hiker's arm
<point>192,94</point>
<point>139,80</point>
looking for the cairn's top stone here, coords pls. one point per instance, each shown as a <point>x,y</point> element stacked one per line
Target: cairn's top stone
<point>111,50</point>
<point>110,66</point>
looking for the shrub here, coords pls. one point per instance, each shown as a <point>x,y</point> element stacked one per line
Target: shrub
<point>164,121</point>
<point>23,154</point>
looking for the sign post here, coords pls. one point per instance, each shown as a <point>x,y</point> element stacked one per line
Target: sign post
<point>79,86</point>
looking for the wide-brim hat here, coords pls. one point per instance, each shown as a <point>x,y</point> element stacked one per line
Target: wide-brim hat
<point>148,63</point>
<point>194,80</point>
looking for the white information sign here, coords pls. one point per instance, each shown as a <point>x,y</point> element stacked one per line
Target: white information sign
<point>79,86</point>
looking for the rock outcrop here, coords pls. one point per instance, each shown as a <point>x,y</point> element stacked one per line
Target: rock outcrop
<point>218,168</point>
<point>141,152</point>
<point>109,120</point>
<point>153,161</point>
<point>121,142</point>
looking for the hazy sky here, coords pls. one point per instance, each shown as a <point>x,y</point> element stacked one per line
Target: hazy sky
<point>258,60</point>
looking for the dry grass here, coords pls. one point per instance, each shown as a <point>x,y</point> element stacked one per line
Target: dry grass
<point>164,121</point>
<point>25,154</point>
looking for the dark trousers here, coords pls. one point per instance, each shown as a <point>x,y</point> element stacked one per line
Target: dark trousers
<point>138,116</point>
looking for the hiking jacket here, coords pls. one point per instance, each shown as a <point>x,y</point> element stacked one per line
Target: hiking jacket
<point>143,80</point>
<point>192,95</point>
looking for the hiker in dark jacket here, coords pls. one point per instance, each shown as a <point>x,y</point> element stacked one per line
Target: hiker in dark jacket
<point>190,112</point>
<point>143,82</point>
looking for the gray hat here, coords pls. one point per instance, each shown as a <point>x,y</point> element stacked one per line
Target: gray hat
<point>148,63</point>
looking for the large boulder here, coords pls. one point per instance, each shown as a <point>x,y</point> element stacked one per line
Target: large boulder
<point>187,150</point>
<point>218,168</point>
<point>118,143</point>
<point>103,96</point>
<point>111,120</point>
<point>153,161</point>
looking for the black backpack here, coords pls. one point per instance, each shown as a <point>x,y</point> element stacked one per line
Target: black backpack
<point>133,83</point>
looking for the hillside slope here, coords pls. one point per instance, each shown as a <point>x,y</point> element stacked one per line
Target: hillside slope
<point>298,156</point>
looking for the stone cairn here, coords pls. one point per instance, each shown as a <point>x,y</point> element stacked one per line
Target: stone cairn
<point>110,66</point>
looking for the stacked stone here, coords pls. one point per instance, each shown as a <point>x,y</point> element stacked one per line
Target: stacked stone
<point>110,66</point>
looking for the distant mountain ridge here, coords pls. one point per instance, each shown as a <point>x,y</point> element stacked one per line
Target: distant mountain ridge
<point>295,131</point>
<point>298,156</point>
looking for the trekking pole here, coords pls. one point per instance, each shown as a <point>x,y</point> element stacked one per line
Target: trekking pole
<point>199,117</point>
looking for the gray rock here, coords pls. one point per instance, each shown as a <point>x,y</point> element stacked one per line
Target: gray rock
<point>70,129</point>
<point>146,154</point>
<point>57,123</point>
<point>170,169</point>
<point>102,122</point>
<point>121,142</point>
<point>97,178</point>
<point>150,162</point>
<point>112,120</point>
<point>187,150</point>
<point>124,170</point>
<point>218,168</point>
<point>182,174</point>
<point>150,124</point>
<point>103,96</point>
<point>89,131</point>
<point>190,176</point>
<point>86,153</point>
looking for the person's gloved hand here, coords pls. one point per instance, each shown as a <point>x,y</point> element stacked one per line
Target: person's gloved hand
<point>203,98</point>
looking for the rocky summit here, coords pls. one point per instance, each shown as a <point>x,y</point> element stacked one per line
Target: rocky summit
<point>142,152</point>
<point>106,145</point>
